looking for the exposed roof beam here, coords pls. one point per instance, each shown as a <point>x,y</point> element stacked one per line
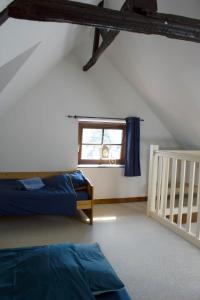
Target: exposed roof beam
<point>103,33</point>
<point>3,16</point>
<point>140,6</point>
<point>108,38</point>
<point>171,26</point>
<point>104,45</point>
<point>148,6</point>
<point>97,33</point>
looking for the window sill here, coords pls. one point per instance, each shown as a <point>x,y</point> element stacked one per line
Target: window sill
<point>101,166</point>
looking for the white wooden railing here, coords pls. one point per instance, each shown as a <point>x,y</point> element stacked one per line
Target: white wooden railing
<point>174,191</point>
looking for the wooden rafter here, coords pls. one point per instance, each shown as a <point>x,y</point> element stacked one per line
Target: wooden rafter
<point>140,6</point>
<point>97,33</point>
<point>146,6</point>
<point>65,11</point>
<point>108,38</point>
<point>104,45</point>
<point>144,18</point>
<point>3,16</point>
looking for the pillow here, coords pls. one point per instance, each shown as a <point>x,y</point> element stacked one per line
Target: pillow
<point>100,274</point>
<point>78,180</point>
<point>60,182</point>
<point>32,183</point>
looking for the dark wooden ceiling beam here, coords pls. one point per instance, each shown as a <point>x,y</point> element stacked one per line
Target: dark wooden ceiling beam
<point>171,26</point>
<point>3,16</point>
<point>104,45</point>
<point>108,38</point>
<point>97,33</point>
<point>103,33</point>
<point>148,6</point>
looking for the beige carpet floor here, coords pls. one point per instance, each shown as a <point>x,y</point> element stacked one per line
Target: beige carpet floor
<point>153,262</point>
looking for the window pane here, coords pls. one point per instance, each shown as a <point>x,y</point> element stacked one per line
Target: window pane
<point>92,136</point>
<point>91,152</point>
<point>114,152</point>
<point>113,136</point>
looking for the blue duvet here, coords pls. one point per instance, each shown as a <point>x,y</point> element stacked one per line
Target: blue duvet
<point>49,201</point>
<point>38,274</point>
<point>57,272</point>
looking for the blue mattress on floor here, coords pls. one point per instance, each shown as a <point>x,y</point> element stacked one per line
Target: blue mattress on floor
<point>119,295</point>
<point>60,271</point>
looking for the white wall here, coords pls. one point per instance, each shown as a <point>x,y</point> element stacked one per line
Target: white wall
<point>35,135</point>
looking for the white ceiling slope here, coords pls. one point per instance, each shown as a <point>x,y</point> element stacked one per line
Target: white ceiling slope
<point>165,72</point>
<point>4,4</point>
<point>29,50</point>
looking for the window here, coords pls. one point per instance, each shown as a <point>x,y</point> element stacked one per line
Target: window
<point>101,143</point>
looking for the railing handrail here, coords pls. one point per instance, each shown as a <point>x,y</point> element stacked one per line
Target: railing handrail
<point>182,155</point>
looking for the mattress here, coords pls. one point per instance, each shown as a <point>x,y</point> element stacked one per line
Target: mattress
<point>62,271</point>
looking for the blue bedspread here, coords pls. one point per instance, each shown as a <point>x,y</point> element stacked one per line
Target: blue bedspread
<point>47,201</point>
<point>37,274</point>
<point>54,272</point>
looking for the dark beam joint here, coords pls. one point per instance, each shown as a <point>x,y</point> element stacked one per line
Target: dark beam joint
<point>103,33</point>
<point>149,6</point>
<point>97,33</point>
<point>143,7</point>
<point>108,38</point>
<point>104,45</point>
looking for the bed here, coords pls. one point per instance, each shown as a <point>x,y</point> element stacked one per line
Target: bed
<point>61,271</point>
<point>46,200</point>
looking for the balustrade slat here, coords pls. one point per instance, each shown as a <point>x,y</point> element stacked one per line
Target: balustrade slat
<point>173,188</point>
<point>182,192</point>
<point>159,181</point>
<point>165,186</point>
<point>190,195</point>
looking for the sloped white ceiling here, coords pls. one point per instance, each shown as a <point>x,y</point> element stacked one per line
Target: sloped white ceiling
<point>49,42</point>
<point>4,4</point>
<point>29,50</point>
<point>165,72</point>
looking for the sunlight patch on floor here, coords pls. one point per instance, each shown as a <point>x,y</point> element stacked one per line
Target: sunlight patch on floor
<point>104,219</point>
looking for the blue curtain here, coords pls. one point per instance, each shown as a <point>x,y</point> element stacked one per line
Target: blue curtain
<point>132,155</point>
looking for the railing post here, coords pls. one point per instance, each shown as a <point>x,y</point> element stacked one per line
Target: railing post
<point>153,168</point>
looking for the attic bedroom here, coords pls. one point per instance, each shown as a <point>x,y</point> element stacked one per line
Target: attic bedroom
<point>99,150</point>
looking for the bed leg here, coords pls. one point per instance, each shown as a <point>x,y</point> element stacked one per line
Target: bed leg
<point>89,214</point>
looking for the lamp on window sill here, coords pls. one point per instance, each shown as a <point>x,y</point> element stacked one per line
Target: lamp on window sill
<point>105,152</point>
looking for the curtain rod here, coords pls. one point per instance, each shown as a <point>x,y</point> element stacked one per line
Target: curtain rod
<point>103,118</point>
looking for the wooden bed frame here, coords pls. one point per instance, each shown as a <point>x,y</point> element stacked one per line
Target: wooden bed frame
<point>86,206</point>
